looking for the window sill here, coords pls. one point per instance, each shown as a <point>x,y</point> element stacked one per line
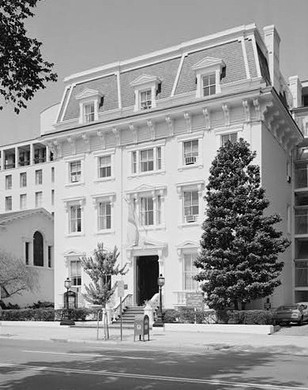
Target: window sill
<point>187,224</point>
<point>79,183</point>
<point>104,179</point>
<point>79,234</point>
<point>148,173</point>
<point>107,231</point>
<point>185,167</point>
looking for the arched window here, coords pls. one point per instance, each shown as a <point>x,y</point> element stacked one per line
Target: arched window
<point>38,249</point>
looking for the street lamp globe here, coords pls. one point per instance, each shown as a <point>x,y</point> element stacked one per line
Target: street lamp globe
<point>67,283</point>
<point>161,280</point>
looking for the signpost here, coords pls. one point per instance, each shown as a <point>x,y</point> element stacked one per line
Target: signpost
<point>121,295</point>
<point>195,300</point>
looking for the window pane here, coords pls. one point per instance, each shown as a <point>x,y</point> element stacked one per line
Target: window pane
<point>75,219</point>
<point>145,100</point>
<point>158,158</point>
<point>75,171</point>
<point>190,152</point>
<point>147,160</point>
<point>209,84</point>
<point>134,162</point>
<point>147,211</point>
<point>105,166</point>
<point>89,112</point>
<point>38,249</point>
<point>104,215</point>
<point>75,271</point>
<point>39,176</point>
<point>190,271</point>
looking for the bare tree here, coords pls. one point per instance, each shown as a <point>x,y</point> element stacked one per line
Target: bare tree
<point>15,276</point>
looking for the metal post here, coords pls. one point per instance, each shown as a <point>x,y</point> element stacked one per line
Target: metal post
<point>121,320</point>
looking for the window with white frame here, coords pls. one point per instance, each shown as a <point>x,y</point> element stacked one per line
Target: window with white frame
<point>104,166</point>
<point>189,271</point>
<point>209,84</point>
<point>89,102</point>
<point>104,215</point>
<point>190,194</point>
<point>75,272</point>
<point>23,201</point>
<point>75,171</point>
<point>38,177</point>
<point>147,160</point>
<point>146,99</point>
<point>209,73</point>
<point>146,89</point>
<point>89,112</point>
<point>75,218</point>
<point>38,199</point>
<point>103,204</point>
<point>8,182</point>
<point>8,203</point>
<point>23,179</point>
<point>146,210</point>
<point>232,137</point>
<point>191,205</point>
<point>190,152</point>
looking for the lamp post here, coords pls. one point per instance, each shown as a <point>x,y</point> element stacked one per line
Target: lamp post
<point>159,321</point>
<point>66,318</point>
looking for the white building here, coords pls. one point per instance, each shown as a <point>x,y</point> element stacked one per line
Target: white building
<point>300,239</point>
<point>28,235</point>
<point>132,144</point>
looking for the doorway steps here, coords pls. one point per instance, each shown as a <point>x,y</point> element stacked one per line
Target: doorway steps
<point>128,317</point>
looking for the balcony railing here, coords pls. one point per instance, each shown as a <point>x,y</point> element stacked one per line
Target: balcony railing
<point>9,165</point>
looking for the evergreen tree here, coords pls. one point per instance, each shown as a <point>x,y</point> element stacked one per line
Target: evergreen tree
<point>100,268</point>
<point>238,260</point>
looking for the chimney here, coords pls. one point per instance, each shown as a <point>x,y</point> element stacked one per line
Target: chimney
<point>272,42</point>
<point>296,90</point>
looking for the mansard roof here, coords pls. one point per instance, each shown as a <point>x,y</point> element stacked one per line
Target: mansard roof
<point>173,68</point>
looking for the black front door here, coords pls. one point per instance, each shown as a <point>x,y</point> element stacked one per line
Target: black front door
<point>146,278</point>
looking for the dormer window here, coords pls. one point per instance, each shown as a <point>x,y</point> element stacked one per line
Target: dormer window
<point>209,72</point>
<point>146,90</point>
<point>209,84</point>
<point>89,112</point>
<point>89,101</point>
<point>146,99</point>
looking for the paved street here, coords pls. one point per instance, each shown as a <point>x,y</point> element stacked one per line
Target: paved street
<point>59,366</point>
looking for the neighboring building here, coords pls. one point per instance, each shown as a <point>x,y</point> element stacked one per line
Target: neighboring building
<point>300,240</point>
<point>28,235</point>
<point>27,177</point>
<point>132,143</point>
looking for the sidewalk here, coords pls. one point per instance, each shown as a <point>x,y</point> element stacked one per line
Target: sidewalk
<point>198,342</point>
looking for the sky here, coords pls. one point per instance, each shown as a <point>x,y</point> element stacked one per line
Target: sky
<point>82,34</point>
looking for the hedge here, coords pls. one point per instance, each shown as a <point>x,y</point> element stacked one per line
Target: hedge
<point>45,314</point>
<point>190,316</point>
